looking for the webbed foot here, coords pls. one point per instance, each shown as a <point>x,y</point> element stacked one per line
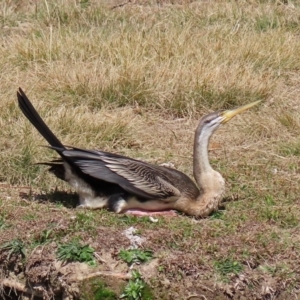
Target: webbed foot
<point>143,213</point>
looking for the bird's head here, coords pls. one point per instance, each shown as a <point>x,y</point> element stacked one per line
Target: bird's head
<point>212,121</point>
<point>210,181</point>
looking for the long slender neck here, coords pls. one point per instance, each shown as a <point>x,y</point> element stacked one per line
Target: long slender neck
<point>210,182</point>
<point>201,162</point>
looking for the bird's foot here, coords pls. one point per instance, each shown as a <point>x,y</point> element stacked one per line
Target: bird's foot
<point>143,213</point>
<point>81,206</point>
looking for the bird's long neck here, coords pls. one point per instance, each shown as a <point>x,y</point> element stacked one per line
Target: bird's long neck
<point>201,163</point>
<point>210,182</point>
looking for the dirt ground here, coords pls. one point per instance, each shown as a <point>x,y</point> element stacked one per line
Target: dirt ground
<point>179,270</point>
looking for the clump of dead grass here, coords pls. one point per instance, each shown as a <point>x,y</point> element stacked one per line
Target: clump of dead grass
<point>79,59</point>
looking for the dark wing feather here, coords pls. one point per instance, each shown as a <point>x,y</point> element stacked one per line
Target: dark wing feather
<point>136,177</point>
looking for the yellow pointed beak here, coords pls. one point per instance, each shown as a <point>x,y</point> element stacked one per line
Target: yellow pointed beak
<point>229,114</point>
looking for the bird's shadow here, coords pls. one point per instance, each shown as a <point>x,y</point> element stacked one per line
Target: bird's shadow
<point>66,199</point>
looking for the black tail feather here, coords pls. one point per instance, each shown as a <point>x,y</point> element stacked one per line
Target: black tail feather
<point>35,119</point>
<point>57,169</point>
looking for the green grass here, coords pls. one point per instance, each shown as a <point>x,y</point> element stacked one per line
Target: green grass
<point>123,221</point>
<point>3,222</point>
<point>75,251</point>
<point>14,247</point>
<point>21,166</point>
<point>227,266</point>
<point>46,236</point>
<point>136,289</point>
<point>83,221</point>
<point>266,23</point>
<point>30,217</point>
<point>278,270</point>
<point>101,293</point>
<point>135,255</point>
<point>290,149</point>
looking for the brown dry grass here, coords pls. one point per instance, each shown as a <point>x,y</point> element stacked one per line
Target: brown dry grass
<point>135,80</point>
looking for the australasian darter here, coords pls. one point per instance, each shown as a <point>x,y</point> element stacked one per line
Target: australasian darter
<point>123,184</point>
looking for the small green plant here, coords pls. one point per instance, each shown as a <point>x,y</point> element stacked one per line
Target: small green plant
<point>74,251</point>
<point>217,214</point>
<point>3,223</point>
<point>290,149</point>
<point>132,220</point>
<point>266,23</point>
<point>277,270</point>
<point>29,217</point>
<point>43,238</point>
<point>16,247</point>
<point>102,292</point>
<point>135,255</point>
<point>134,288</point>
<point>84,222</point>
<point>84,3</point>
<point>285,219</point>
<point>228,266</point>
<point>96,289</point>
<point>161,269</point>
<point>269,200</point>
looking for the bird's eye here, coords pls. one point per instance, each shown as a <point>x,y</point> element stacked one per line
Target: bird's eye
<point>207,121</point>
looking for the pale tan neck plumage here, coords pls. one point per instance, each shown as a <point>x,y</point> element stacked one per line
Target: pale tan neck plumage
<point>201,162</point>
<point>210,182</point>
